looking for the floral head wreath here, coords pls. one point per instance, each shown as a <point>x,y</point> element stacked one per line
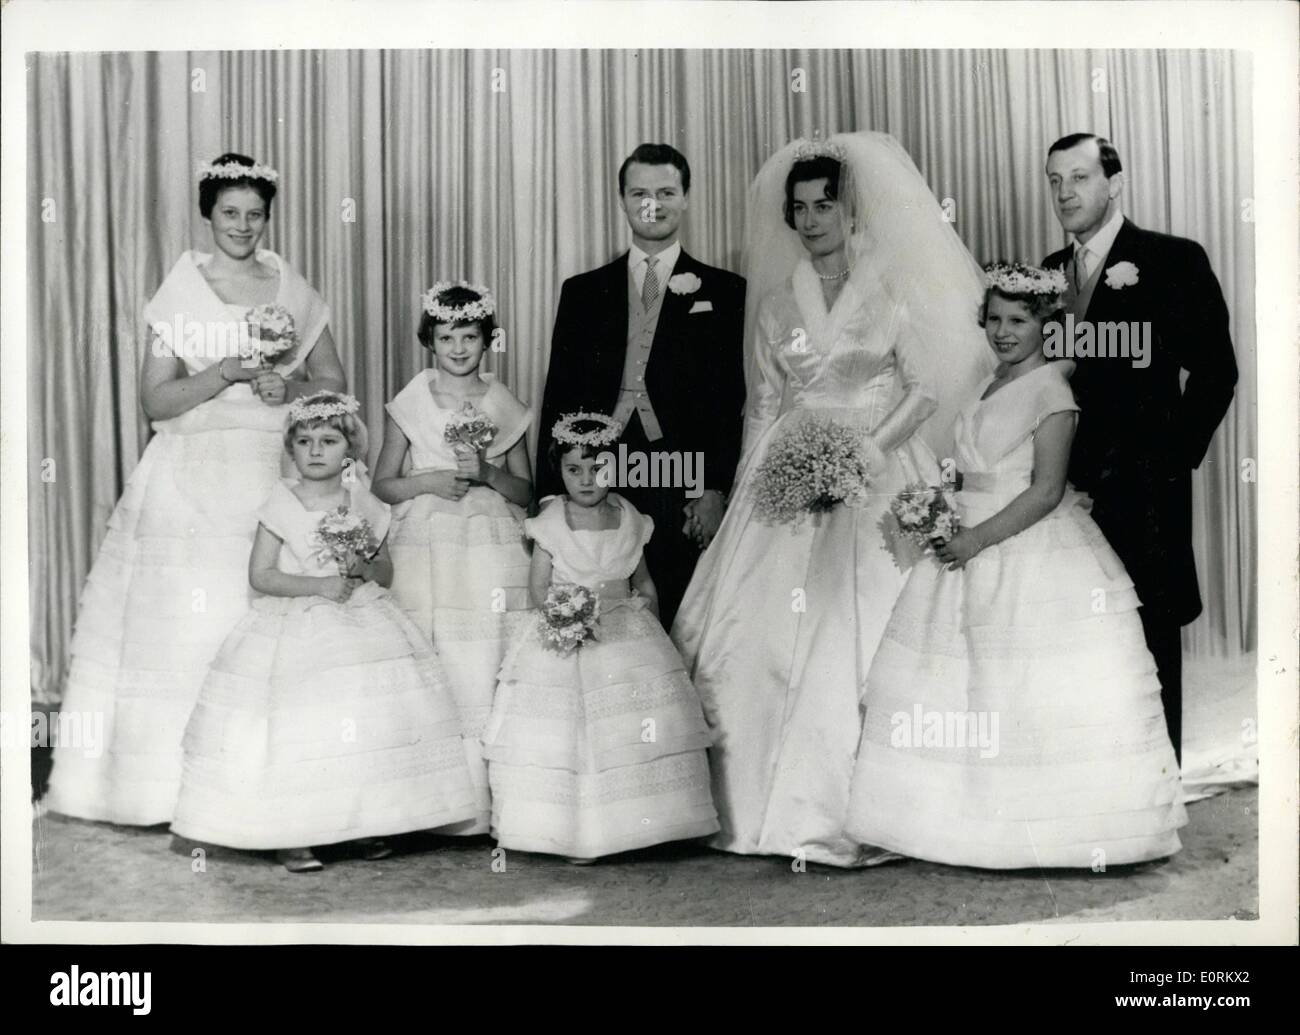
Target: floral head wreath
<point>1017,278</point>
<point>235,171</point>
<point>321,406</point>
<point>605,435</point>
<point>479,309</point>
<point>820,149</point>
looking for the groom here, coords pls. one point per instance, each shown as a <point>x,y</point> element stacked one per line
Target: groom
<point>655,339</point>
<point>1140,433</point>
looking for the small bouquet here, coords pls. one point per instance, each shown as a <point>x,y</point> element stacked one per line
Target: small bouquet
<point>343,538</point>
<point>926,514</point>
<point>812,467</point>
<point>569,617</point>
<point>271,333</point>
<point>469,429</point>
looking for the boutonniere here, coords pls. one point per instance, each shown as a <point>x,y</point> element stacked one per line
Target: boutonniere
<point>684,284</point>
<point>1121,275</point>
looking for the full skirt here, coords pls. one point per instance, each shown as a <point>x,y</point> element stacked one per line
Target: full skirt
<point>778,629</point>
<point>460,572</point>
<point>320,723</point>
<point>169,582</point>
<point>602,750</point>
<point>1013,714</point>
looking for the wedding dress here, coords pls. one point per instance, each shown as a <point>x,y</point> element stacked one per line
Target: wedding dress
<point>171,576</point>
<point>781,622</point>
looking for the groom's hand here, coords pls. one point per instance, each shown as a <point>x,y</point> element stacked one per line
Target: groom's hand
<point>703,516</point>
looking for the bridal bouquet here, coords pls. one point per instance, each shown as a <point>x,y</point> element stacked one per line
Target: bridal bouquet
<point>343,538</point>
<point>469,430</point>
<point>569,617</point>
<point>926,514</point>
<point>813,466</point>
<point>271,334</point>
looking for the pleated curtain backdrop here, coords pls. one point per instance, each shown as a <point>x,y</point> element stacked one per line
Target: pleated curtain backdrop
<point>399,168</point>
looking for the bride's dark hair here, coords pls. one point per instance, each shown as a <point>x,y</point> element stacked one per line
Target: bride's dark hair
<point>822,167</point>
<point>210,187</point>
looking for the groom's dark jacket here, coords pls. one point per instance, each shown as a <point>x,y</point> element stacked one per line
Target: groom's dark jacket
<point>1140,432</point>
<point>694,378</point>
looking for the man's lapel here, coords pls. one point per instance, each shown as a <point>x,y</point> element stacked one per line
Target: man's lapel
<point>1107,300</point>
<point>673,309</point>
<point>609,331</point>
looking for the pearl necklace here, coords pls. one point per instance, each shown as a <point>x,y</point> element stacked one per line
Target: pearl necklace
<point>834,276</point>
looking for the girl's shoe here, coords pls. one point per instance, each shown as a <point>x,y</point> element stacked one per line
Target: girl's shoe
<point>298,860</point>
<point>578,862</point>
<point>374,848</point>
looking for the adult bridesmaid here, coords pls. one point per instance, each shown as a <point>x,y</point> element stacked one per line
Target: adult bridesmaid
<point>171,577</point>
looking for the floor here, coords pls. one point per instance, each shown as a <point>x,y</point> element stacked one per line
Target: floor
<point>92,871</point>
<point>156,876</point>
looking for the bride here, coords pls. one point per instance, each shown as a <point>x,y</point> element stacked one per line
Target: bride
<point>862,309</point>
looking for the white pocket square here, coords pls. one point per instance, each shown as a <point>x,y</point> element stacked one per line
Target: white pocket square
<point>702,306</point>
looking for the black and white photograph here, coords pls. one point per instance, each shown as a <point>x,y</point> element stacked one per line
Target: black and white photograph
<point>579,483</point>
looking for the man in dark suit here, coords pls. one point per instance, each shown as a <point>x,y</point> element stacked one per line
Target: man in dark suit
<point>655,339</point>
<point>1140,433</point>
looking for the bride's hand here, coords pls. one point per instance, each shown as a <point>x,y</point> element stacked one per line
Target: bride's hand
<point>270,387</point>
<point>877,461</point>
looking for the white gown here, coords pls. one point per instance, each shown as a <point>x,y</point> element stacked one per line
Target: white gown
<point>322,722</point>
<point>779,625</point>
<point>1013,714</point>
<point>602,750</point>
<point>460,567</point>
<point>171,576</point>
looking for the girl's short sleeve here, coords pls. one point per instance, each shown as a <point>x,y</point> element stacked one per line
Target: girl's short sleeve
<point>511,417</point>
<point>1054,396</point>
<point>647,525</point>
<point>279,511</point>
<point>548,529</point>
<point>404,407</point>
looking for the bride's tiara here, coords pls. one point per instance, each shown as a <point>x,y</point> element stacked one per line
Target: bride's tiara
<point>605,435</point>
<point>479,309</point>
<point>235,171</point>
<point>1017,278</point>
<point>820,149</point>
<point>321,406</point>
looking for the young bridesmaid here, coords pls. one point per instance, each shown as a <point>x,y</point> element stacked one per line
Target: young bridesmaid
<point>458,546</point>
<point>1013,714</point>
<point>325,716</point>
<point>600,749</point>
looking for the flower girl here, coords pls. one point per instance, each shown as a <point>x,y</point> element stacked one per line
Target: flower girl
<point>597,740</point>
<point>1013,714</point>
<point>455,466</point>
<point>325,716</point>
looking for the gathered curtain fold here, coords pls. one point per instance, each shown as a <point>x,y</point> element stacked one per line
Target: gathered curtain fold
<point>399,168</point>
